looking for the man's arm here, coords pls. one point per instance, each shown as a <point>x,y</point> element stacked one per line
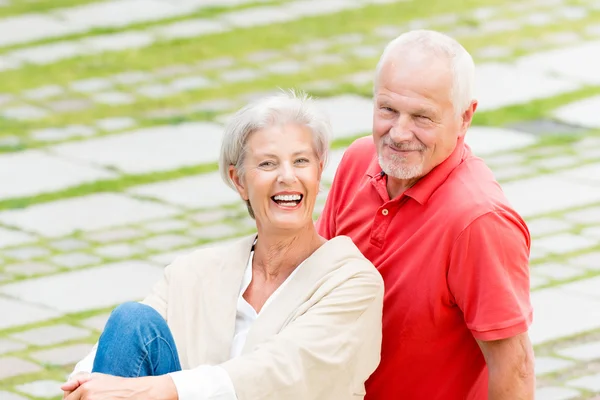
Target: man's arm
<point>510,365</point>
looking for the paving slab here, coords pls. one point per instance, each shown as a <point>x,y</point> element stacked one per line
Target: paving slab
<point>586,216</point>
<point>113,98</point>
<point>592,232</point>
<point>565,243</point>
<point>9,237</point>
<point>65,355</point>
<point>43,92</point>
<point>86,213</point>
<point>545,194</point>
<point>587,287</point>
<point>24,113</point>
<point>32,27</point>
<point>11,396</point>
<point>119,250</point>
<point>562,311</point>
<point>167,242</point>
<point>527,84</point>
<point>589,261</point>
<point>589,173</point>
<point>70,105</point>
<point>240,75</point>
<point>115,235</point>
<point>190,28</point>
<point>75,260</point>
<point>26,253</point>
<point>335,157</point>
<point>488,140</point>
<point>88,289</point>
<point>15,313</point>
<point>350,115</point>
<point>115,124</point>
<point>117,41</point>
<point>581,112</point>
<point>547,226</point>
<point>58,174</point>
<point>319,7</point>
<point>47,53</point>
<point>167,226</point>
<point>69,244</point>
<point>572,63</point>
<point>96,322</point>
<point>556,393</point>
<point>214,232</point>
<point>557,271</point>
<point>29,269</point>
<point>199,191</point>
<point>7,346</point>
<point>582,352</point>
<point>137,151</point>
<point>44,389</point>
<point>590,383</point>
<point>12,366</point>
<point>549,365</point>
<point>257,16</point>
<point>51,335</point>
<point>165,259</point>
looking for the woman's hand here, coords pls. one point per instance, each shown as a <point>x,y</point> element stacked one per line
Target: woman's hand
<point>108,387</point>
<point>74,382</point>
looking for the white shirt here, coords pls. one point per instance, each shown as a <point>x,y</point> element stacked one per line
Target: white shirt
<point>208,382</point>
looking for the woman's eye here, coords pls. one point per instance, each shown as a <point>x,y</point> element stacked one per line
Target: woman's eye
<point>266,164</point>
<point>302,160</point>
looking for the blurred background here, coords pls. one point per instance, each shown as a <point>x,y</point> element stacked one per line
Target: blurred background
<point>111,115</point>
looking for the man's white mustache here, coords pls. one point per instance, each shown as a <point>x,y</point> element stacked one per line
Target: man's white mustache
<point>404,146</point>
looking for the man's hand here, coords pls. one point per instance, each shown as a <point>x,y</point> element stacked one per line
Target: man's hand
<point>510,365</point>
<point>74,382</point>
<point>108,387</point>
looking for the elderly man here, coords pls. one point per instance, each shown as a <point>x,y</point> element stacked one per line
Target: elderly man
<point>431,217</point>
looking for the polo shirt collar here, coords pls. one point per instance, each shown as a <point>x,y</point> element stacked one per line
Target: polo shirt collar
<point>426,186</point>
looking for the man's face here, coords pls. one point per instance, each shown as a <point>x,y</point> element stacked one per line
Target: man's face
<point>414,124</point>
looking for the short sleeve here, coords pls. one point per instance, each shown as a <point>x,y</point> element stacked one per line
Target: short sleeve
<point>488,276</point>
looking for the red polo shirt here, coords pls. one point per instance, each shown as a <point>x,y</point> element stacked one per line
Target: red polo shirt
<point>454,256</point>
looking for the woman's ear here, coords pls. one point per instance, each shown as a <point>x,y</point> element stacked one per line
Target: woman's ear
<point>237,181</point>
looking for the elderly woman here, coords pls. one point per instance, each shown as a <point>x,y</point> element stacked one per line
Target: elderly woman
<point>282,314</point>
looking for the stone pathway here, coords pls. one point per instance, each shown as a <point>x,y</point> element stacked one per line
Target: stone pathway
<point>108,176</point>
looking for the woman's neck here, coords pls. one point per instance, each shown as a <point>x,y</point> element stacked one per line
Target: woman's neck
<point>277,254</point>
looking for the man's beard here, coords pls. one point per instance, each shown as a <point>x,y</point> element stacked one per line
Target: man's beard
<point>395,165</point>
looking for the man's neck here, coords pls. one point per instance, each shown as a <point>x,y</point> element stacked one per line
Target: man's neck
<point>395,187</point>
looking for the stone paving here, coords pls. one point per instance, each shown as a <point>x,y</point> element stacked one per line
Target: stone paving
<point>106,177</point>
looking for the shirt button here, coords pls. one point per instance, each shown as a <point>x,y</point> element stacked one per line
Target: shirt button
<point>385,211</point>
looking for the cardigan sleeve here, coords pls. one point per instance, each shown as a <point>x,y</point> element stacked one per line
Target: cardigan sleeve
<point>334,345</point>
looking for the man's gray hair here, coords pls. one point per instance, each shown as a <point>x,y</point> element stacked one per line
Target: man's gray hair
<point>436,44</point>
<point>289,107</point>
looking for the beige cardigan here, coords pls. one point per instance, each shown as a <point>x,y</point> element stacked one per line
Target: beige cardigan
<point>320,339</point>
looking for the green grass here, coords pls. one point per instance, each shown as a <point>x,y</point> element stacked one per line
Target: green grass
<point>18,7</point>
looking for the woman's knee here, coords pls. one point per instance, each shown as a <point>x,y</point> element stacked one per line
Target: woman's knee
<point>131,314</point>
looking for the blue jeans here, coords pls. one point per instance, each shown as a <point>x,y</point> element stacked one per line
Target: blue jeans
<point>136,342</point>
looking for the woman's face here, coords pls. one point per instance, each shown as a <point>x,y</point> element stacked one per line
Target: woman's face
<point>282,173</point>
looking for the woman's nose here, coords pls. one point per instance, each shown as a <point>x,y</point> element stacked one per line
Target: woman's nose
<point>286,174</point>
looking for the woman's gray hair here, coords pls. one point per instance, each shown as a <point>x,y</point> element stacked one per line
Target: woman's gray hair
<point>289,107</point>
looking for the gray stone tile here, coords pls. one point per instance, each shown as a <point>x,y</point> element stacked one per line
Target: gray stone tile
<point>313,46</point>
<point>29,269</point>
<point>528,84</point>
<point>212,216</point>
<point>12,366</point>
<point>257,16</point>
<point>32,27</point>
<point>556,393</point>
<point>582,352</point>
<point>45,389</point>
<point>589,261</point>
<point>488,140</point>
<point>590,383</point>
<point>24,113</point>
<point>592,232</point>
<point>119,250</point>
<point>167,242</point>
<point>546,226</point>
<point>217,63</point>
<point>9,237</point>
<point>366,51</point>
<point>51,335</point>
<point>51,134</point>
<point>217,105</point>
<point>47,53</point>
<point>156,91</point>
<point>558,162</point>
<point>116,123</point>
<point>118,41</point>
<point>360,78</point>
<point>585,216</point>
<point>26,253</point>
<point>561,312</point>
<point>132,77</point>
<point>586,173</point>
<point>484,13</point>
<point>199,191</point>
<point>70,105</point>
<point>134,152</point>
<point>10,142</point>
<point>288,67</point>
<point>587,287</point>
<point>166,226</point>
<point>190,83</point>
<point>350,115</point>
<point>190,28</point>
<point>572,13</point>
<point>263,56</point>
<point>91,85</point>
<point>11,396</point>
<point>115,235</point>
<point>113,98</point>
<point>69,244</point>
<point>15,313</point>
<point>86,213</point>
<point>65,355</point>
<point>557,271</point>
<point>165,259</point>
<point>562,38</point>
<point>571,62</point>
<point>87,289</point>
<point>240,75</point>
<point>538,19</point>
<point>215,231</point>
<point>320,7</point>
<point>7,346</point>
<point>500,25</point>
<point>565,243</point>
<point>536,281</point>
<point>593,30</point>
<point>545,126</point>
<point>43,92</point>
<point>590,154</point>
<point>327,59</point>
<point>491,52</point>
<point>348,39</point>
<point>75,260</point>
<point>513,172</point>
<point>545,194</point>
<point>96,322</point>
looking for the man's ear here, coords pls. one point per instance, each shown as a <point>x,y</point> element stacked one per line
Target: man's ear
<point>467,118</point>
<point>237,181</point>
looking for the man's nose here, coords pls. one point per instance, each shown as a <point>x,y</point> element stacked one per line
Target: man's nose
<point>402,129</point>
